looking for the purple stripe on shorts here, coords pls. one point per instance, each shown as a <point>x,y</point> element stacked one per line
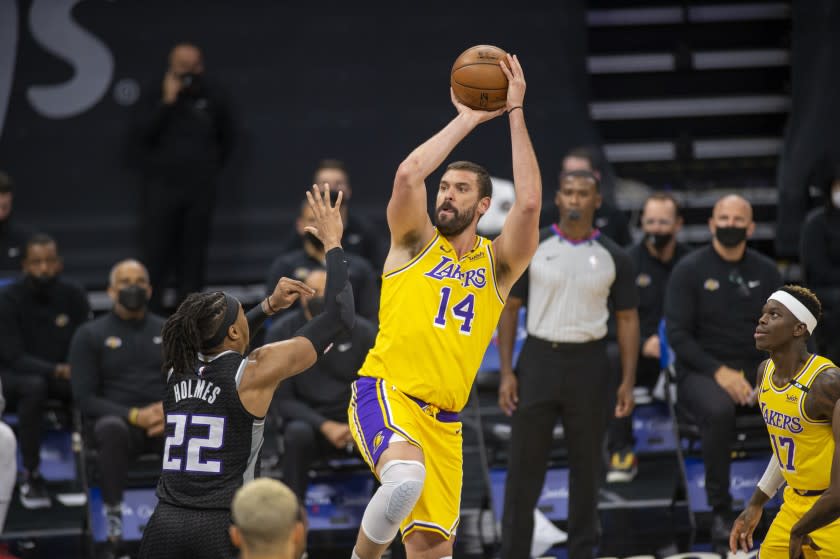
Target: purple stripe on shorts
<point>377,436</point>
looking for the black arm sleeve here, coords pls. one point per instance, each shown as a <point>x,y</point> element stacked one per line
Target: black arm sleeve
<point>85,381</point>
<point>339,312</point>
<point>256,317</point>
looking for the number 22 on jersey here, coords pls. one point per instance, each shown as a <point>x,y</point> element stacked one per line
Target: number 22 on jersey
<point>213,441</point>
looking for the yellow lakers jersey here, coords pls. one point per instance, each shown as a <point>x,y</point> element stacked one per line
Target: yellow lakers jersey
<point>437,314</point>
<point>803,446</point>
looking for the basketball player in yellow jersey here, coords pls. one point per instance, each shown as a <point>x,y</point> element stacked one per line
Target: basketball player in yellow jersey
<point>799,396</point>
<point>443,289</point>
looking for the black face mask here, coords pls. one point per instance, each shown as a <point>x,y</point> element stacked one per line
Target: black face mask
<point>315,306</point>
<point>316,243</point>
<point>39,284</point>
<point>731,236</point>
<point>660,240</point>
<point>133,298</point>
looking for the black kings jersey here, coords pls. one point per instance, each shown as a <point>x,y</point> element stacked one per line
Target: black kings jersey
<point>212,443</point>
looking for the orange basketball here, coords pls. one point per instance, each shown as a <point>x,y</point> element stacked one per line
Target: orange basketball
<point>477,79</point>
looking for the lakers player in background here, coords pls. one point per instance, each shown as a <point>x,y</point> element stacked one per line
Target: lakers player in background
<point>443,289</point>
<point>798,395</point>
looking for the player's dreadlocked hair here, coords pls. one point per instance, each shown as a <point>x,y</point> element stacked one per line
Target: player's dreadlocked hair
<point>195,322</point>
<point>806,297</point>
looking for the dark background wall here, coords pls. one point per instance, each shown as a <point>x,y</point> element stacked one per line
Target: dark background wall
<point>361,83</point>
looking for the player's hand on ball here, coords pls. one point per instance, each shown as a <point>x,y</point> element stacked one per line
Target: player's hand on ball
<point>516,81</point>
<point>477,116</point>
<point>328,226</point>
<point>286,292</point>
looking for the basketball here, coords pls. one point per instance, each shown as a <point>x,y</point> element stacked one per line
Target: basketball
<point>477,80</point>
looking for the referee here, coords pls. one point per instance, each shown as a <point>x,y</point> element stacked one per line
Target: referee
<point>576,275</point>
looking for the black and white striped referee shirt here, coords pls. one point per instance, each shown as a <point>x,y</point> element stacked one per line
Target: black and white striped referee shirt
<point>570,286</point>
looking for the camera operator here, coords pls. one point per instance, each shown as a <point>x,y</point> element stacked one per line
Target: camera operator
<point>184,135</point>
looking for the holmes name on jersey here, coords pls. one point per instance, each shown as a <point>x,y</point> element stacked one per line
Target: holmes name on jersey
<point>449,269</point>
<point>202,389</point>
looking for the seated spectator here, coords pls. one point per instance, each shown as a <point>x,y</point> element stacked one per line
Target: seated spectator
<point>12,236</point>
<point>299,263</point>
<point>313,405</point>
<point>360,237</point>
<point>653,258</point>
<point>268,521</point>
<point>8,468</point>
<point>712,300</point>
<point>38,315</point>
<point>610,220</point>
<point>820,254</point>
<point>118,383</point>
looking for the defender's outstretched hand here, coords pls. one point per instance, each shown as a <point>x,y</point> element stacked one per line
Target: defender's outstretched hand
<point>328,226</point>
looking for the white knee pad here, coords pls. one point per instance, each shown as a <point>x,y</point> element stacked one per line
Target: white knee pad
<point>402,483</point>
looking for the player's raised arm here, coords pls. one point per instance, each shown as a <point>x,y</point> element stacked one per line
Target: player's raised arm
<point>270,364</point>
<point>519,238</point>
<point>408,218</point>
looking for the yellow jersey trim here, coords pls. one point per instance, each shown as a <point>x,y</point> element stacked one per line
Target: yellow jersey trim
<point>801,372</point>
<point>414,260</point>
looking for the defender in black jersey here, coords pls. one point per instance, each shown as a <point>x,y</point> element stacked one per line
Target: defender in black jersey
<point>216,398</point>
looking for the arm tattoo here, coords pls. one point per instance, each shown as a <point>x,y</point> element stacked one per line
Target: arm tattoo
<point>823,395</point>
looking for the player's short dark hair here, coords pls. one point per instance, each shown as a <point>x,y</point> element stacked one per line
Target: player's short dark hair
<point>806,297</point>
<point>185,332</point>
<point>336,164</point>
<point>583,152</point>
<point>485,185</point>
<point>662,197</point>
<point>38,239</point>
<point>7,185</point>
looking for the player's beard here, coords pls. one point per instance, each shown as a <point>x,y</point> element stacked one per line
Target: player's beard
<point>456,224</point>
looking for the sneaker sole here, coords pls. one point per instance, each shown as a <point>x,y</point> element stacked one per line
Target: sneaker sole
<point>620,477</point>
<point>35,503</point>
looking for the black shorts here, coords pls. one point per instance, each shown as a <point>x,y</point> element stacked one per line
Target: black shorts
<point>184,533</point>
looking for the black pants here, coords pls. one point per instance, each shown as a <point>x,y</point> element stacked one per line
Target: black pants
<point>303,444</point>
<point>557,380</point>
<point>175,234</point>
<point>182,533</point>
<point>119,444</point>
<point>620,436</point>
<point>715,413</point>
<point>27,394</point>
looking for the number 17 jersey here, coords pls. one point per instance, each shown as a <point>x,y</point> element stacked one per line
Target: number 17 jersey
<point>212,443</point>
<point>437,315</point>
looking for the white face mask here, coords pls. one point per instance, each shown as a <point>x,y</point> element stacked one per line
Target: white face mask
<point>835,198</point>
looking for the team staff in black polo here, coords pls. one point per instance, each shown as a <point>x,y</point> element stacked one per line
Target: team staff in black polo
<point>711,304</point>
<point>653,259</point>
<point>119,385</point>
<point>563,368</point>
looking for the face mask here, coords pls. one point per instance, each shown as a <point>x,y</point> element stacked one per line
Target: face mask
<point>315,306</point>
<point>133,298</point>
<point>39,284</point>
<point>316,243</point>
<point>731,236</point>
<point>660,240</point>
<point>573,215</point>
<point>835,199</point>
